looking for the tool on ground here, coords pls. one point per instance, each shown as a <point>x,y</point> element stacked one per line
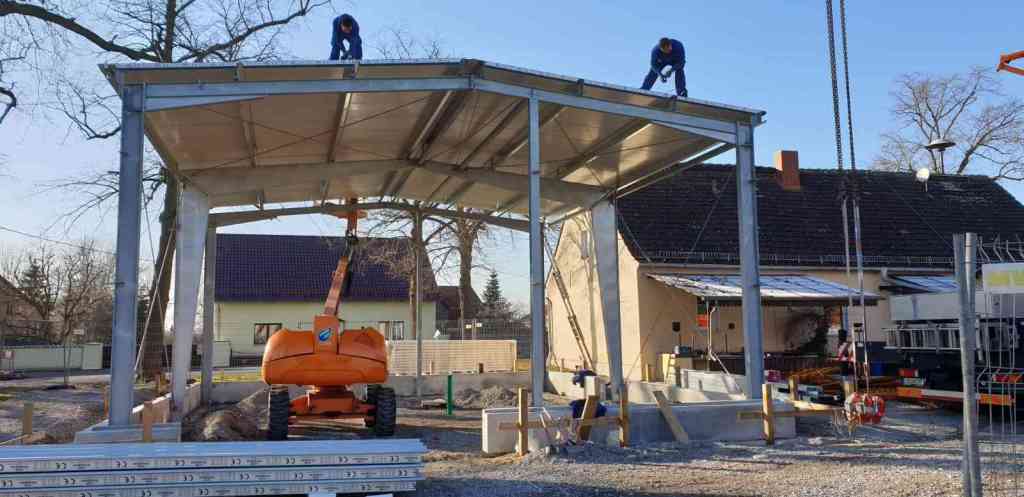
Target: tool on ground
<point>330,361</point>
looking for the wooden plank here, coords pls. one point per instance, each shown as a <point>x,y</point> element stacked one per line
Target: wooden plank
<point>794,389</point>
<point>147,421</point>
<point>670,417</point>
<point>26,419</point>
<point>768,409</point>
<point>589,410</point>
<point>523,445</point>
<point>623,417</point>
<point>758,415</point>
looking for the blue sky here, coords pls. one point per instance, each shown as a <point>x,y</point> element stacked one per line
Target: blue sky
<point>769,55</point>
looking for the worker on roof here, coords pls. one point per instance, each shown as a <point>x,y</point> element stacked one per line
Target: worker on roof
<point>671,54</point>
<point>345,28</point>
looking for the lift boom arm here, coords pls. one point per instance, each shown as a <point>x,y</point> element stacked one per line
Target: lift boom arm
<point>1005,60</point>
<point>340,278</point>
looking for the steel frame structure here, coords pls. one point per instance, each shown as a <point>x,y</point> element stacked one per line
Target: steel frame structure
<point>203,191</point>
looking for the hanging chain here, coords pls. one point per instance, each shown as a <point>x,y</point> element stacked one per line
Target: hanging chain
<point>835,83</point>
<point>846,79</point>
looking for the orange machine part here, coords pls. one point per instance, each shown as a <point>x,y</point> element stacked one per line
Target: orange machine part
<point>323,357</point>
<point>1005,60</point>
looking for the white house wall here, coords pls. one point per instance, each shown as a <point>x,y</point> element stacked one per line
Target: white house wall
<point>235,320</point>
<point>578,263</point>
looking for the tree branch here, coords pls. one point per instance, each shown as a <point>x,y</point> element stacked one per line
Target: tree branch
<point>10,7</point>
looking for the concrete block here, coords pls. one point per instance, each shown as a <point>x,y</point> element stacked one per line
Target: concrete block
<point>703,421</point>
<point>162,432</point>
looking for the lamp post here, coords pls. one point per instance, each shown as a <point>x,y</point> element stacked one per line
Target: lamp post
<point>940,145</point>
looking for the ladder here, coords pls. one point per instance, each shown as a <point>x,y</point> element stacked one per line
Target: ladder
<point>574,324</point>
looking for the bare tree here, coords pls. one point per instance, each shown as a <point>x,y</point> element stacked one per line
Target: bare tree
<point>137,30</point>
<point>969,109</point>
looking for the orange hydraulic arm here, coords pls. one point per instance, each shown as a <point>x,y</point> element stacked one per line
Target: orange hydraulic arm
<point>1005,60</point>
<point>340,277</point>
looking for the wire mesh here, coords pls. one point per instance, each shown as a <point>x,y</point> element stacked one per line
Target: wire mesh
<point>1000,378</point>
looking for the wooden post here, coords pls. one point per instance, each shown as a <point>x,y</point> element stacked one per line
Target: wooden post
<point>524,417</point>
<point>147,421</point>
<point>480,368</point>
<point>651,373</point>
<point>849,388</point>
<point>794,392</point>
<point>431,371</point>
<point>678,432</point>
<point>26,419</point>
<point>106,402</point>
<point>623,417</point>
<point>589,409</point>
<point>768,412</point>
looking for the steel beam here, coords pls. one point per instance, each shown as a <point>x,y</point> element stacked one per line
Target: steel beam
<point>417,310</point>
<point>553,189</point>
<point>606,243</point>
<point>753,336</point>
<point>190,239</point>
<point>340,118</point>
<point>537,360</point>
<point>126,276</point>
<point>228,180</point>
<point>233,218</point>
<point>605,106</point>
<point>248,131</point>
<point>499,128</point>
<point>721,136</point>
<point>197,101</point>
<point>604,144</point>
<point>429,119</point>
<point>164,94</point>
<point>523,137</point>
<point>209,308</point>
<point>669,169</point>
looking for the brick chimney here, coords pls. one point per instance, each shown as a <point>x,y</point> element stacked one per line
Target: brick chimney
<point>787,162</point>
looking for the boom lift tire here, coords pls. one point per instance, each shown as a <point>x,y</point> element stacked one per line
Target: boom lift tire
<point>385,412</point>
<point>371,398</point>
<point>279,405</point>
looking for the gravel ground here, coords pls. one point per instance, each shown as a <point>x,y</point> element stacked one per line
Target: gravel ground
<point>57,413</point>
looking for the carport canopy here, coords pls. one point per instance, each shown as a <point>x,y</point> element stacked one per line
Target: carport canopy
<point>448,131</point>
<point>776,290</point>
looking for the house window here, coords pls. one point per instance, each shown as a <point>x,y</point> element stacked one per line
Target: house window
<point>392,330</point>
<point>262,331</point>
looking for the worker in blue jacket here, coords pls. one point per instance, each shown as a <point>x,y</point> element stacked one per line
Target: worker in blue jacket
<point>668,53</point>
<point>345,28</point>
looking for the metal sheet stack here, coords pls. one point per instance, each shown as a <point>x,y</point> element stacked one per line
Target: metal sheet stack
<point>211,469</point>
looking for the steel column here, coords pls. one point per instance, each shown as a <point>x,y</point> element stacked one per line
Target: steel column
<point>193,215</point>
<point>126,279</point>
<point>537,362</point>
<point>964,247</point>
<point>417,320</point>
<point>753,337</point>
<point>209,307</point>
<point>606,243</point>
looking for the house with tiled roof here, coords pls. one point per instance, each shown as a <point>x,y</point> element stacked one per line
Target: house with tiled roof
<point>269,282</point>
<point>679,258</point>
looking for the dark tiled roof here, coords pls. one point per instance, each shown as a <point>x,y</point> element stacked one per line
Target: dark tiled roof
<point>903,225</point>
<point>448,300</point>
<point>276,268</point>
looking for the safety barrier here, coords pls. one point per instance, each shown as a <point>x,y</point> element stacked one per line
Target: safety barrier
<point>447,356</point>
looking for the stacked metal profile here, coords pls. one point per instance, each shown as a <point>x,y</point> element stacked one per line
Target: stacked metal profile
<point>211,468</point>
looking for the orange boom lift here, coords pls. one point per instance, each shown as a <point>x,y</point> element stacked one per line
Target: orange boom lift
<point>329,361</point>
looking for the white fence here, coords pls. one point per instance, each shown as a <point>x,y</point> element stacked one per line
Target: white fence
<point>445,356</point>
<point>52,357</point>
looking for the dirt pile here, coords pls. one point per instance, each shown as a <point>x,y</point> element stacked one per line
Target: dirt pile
<point>246,420</point>
<point>494,396</point>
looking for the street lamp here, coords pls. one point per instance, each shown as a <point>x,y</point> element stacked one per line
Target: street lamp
<point>940,144</point>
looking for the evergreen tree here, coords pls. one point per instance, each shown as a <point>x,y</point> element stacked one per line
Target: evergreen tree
<point>494,304</point>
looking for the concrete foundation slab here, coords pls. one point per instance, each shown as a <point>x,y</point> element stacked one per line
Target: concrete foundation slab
<point>703,421</point>
<point>162,432</point>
